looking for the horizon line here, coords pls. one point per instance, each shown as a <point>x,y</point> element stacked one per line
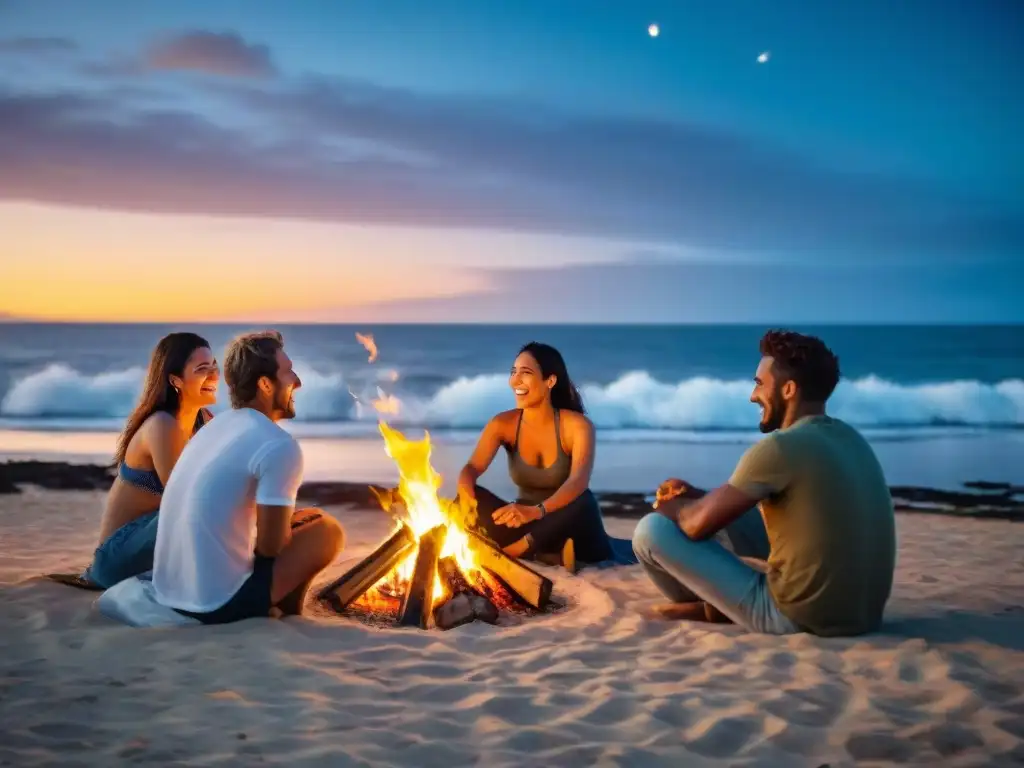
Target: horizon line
<point>14,321</point>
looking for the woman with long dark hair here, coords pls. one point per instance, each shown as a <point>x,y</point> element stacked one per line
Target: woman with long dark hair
<point>182,379</point>
<point>550,445</point>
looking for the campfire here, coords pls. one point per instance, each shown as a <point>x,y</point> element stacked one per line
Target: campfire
<point>433,570</point>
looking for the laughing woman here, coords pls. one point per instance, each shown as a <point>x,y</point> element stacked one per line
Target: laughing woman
<point>550,446</point>
<point>182,380</point>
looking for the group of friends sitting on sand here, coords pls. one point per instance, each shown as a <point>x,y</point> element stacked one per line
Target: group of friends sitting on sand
<point>800,539</point>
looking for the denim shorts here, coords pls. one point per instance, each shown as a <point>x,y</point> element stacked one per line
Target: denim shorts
<point>127,552</point>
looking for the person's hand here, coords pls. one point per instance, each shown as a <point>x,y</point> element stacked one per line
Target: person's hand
<point>515,515</point>
<point>463,508</point>
<point>669,490</point>
<point>467,496</point>
<point>671,508</point>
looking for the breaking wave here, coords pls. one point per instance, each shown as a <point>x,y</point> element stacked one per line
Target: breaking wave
<point>634,402</point>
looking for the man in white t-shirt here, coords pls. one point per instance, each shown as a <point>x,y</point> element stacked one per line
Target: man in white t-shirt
<point>230,545</point>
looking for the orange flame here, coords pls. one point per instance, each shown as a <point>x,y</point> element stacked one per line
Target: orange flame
<point>386,404</point>
<point>370,345</point>
<point>418,483</point>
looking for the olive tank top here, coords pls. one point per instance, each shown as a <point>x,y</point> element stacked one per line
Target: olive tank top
<point>537,483</point>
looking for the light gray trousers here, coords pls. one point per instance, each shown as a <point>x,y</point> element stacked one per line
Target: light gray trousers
<point>686,570</point>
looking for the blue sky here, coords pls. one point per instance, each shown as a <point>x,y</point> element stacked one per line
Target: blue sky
<point>526,161</point>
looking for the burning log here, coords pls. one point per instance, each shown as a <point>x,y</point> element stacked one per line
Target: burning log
<point>350,587</point>
<point>464,608</point>
<point>484,609</point>
<point>529,585</point>
<point>418,599</point>
<point>465,602</point>
<point>452,577</point>
<point>455,612</point>
<point>425,521</point>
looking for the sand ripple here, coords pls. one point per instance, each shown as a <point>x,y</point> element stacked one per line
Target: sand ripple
<point>595,684</point>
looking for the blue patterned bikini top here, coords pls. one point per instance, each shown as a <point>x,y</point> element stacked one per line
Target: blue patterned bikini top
<point>148,479</point>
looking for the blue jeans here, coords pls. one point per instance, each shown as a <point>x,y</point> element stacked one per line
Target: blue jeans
<point>686,570</point>
<point>127,552</point>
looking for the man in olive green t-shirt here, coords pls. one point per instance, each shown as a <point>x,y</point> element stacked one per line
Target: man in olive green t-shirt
<point>824,503</point>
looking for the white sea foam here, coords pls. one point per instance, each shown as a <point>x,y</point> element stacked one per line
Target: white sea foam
<point>635,402</point>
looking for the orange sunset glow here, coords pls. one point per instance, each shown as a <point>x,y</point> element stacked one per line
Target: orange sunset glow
<point>79,264</point>
<point>83,265</point>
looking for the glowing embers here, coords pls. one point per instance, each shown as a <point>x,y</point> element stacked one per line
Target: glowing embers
<point>433,570</point>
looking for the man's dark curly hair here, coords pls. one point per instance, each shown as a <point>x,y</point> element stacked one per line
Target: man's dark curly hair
<point>804,359</point>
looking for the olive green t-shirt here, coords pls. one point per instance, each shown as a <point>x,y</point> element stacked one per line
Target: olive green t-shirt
<point>829,516</point>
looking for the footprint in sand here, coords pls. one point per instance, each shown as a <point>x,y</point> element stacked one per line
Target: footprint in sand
<point>879,747</point>
<point>950,739</point>
<point>817,707</point>
<point>616,709</point>
<point>1013,726</point>
<point>677,712</point>
<point>727,737</point>
<point>910,672</point>
<point>908,708</point>
<point>990,690</point>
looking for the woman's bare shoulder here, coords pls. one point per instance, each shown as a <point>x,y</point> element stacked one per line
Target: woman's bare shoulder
<point>576,421</point>
<point>502,424</point>
<point>157,426</point>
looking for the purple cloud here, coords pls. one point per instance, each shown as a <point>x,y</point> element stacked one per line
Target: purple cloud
<point>216,53</point>
<point>355,152</point>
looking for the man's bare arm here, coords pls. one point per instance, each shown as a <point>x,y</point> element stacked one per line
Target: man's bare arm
<point>273,529</point>
<point>708,515</point>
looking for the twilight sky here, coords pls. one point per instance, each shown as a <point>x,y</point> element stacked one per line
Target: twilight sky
<point>527,161</point>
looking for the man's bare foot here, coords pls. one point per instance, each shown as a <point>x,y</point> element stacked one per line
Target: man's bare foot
<point>714,615</point>
<point>569,556</point>
<point>548,558</point>
<point>566,558</point>
<point>677,611</point>
<point>696,611</point>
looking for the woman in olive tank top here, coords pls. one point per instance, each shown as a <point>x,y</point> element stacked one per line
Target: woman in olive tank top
<point>550,446</point>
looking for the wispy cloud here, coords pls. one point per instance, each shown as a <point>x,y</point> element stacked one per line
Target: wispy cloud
<point>353,151</point>
<point>225,54</point>
<point>652,291</point>
<point>37,46</point>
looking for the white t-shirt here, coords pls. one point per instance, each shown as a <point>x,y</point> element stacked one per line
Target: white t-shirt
<point>206,534</point>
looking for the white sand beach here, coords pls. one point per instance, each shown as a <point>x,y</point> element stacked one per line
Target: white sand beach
<point>595,684</point>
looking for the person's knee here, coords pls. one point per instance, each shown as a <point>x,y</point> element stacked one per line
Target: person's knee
<point>653,529</point>
<point>332,533</point>
<point>323,538</point>
<point>584,505</point>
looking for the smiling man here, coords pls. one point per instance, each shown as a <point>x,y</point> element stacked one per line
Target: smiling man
<point>230,544</point>
<point>824,504</point>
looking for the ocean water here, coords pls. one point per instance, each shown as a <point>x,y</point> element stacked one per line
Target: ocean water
<point>666,389</point>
